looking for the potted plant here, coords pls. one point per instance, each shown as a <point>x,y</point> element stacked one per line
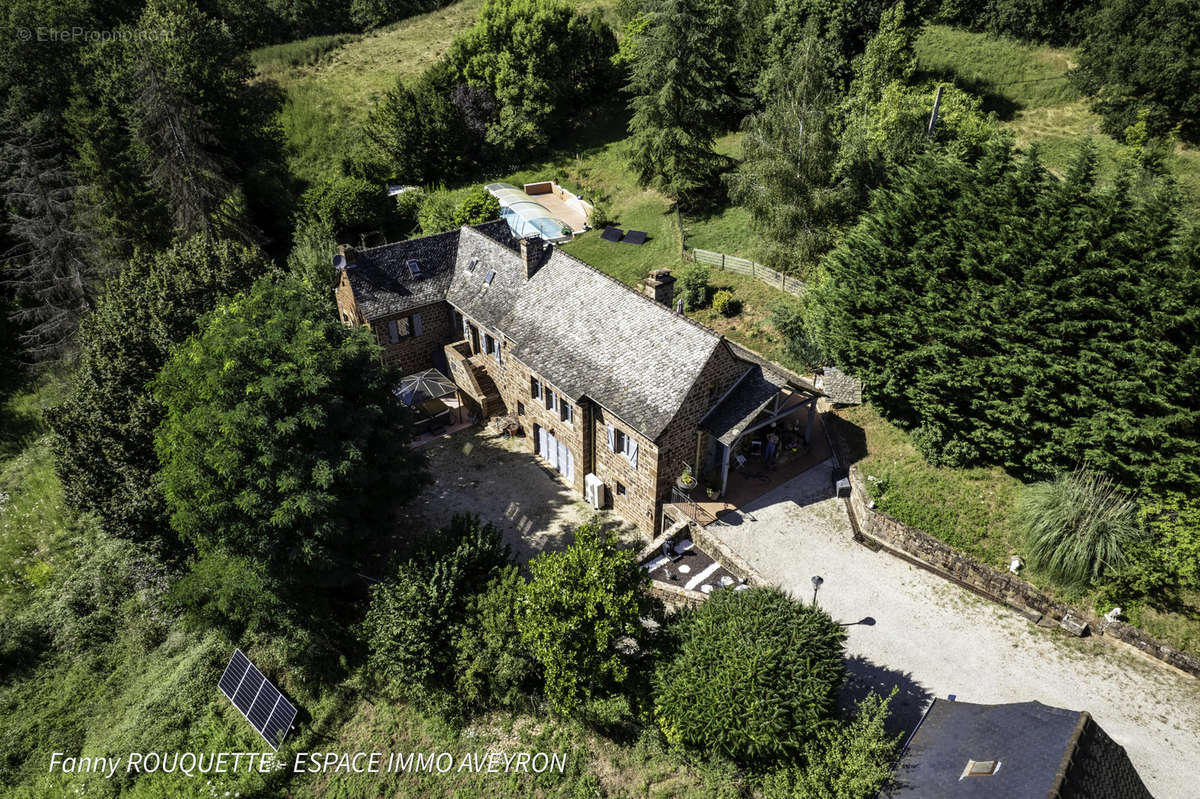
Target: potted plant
<point>687,480</point>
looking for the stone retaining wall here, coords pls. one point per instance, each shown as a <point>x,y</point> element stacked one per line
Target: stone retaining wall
<point>940,558</point>
<point>673,595</point>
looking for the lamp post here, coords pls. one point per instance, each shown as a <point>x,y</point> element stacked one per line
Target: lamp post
<point>816,581</point>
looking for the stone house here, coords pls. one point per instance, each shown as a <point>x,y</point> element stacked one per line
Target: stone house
<point>611,388</point>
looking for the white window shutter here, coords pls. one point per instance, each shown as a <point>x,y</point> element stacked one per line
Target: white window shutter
<point>612,439</point>
<point>632,451</point>
<point>416,325</point>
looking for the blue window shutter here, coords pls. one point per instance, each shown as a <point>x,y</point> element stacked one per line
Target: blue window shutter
<point>416,325</point>
<point>612,439</point>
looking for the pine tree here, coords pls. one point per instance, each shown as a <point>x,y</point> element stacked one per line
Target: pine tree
<point>54,266</point>
<point>681,99</point>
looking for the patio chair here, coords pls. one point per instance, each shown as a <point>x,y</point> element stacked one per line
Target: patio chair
<point>739,461</point>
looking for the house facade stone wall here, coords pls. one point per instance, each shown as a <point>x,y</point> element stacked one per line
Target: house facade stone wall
<point>415,353</point>
<point>639,503</point>
<point>678,443</point>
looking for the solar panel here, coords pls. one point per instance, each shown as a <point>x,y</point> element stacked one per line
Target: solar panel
<point>258,700</point>
<point>635,237</point>
<point>611,234</point>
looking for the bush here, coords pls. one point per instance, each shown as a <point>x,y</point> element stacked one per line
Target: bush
<point>437,212</point>
<point>787,317</point>
<point>492,664</point>
<point>693,287</point>
<point>415,617</point>
<point>1121,63</point>
<point>351,205</point>
<point>408,210</point>
<point>479,206</point>
<point>724,303</point>
<point>601,216</point>
<point>847,760</point>
<point>1077,526</point>
<point>755,676</point>
<point>575,608</point>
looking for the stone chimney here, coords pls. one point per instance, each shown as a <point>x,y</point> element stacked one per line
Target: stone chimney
<point>533,254</point>
<point>660,286</point>
<point>345,257</point>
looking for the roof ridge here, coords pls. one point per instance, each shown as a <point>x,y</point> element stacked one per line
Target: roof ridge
<point>640,295</point>
<point>454,232</point>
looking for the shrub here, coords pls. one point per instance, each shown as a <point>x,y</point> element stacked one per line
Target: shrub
<point>493,666</point>
<point>478,206</point>
<point>847,760</point>
<point>408,210</point>
<point>437,212</point>
<point>724,303</point>
<point>693,286</point>
<point>755,676</point>
<point>788,318</point>
<point>601,215</point>
<point>575,608</point>
<point>1077,526</point>
<point>351,205</point>
<point>415,617</point>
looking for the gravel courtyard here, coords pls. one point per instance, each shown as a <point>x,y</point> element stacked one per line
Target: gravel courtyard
<point>932,638</point>
<point>476,471</point>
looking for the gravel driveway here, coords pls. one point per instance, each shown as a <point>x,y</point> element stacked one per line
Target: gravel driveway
<point>932,638</point>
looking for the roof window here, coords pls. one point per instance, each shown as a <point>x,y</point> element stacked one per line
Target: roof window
<point>487,281</point>
<point>980,768</point>
<point>414,268</point>
<point>471,264</point>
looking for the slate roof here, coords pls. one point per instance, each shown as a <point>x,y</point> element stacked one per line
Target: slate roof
<point>756,389</point>
<point>584,332</point>
<point>1032,742</point>
<point>589,334</point>
<point>841,387</point>
<point>380,278</point>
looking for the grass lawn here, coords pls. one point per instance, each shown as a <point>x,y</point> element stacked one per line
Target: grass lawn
<point>1026,85</point>
<point>970,509</point>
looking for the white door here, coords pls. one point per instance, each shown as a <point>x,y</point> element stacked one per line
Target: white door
<point>566,462</point>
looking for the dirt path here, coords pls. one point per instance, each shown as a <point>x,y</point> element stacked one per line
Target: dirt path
<point>932,638</point>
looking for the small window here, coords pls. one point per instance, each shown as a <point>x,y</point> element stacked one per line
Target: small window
<point>489,343</point>
<point>981,768</point>
<point>535,388</point>
<point>620,489</point>
<point>471,264</point>
<point>393,328</point>
<point>520,409</point>
<point>414,269</point>
<point>490,277</point>
<point>566,412</point>
<point>550,399</point>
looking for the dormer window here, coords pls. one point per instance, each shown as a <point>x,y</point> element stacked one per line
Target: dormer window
<point>414,269</point>
<point>487,281</point>
<point>471,264</point>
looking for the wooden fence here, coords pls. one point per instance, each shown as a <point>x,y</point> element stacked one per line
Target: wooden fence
<point>744,266</point>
